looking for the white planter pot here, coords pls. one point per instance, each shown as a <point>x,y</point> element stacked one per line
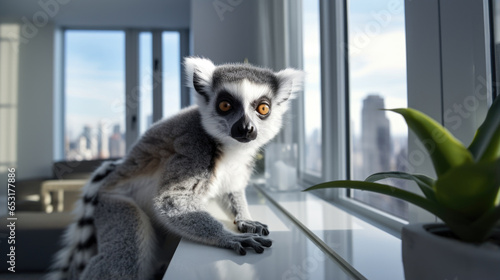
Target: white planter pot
<point>427,255</point>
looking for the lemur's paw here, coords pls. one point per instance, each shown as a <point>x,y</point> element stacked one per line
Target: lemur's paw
<point>248,240</point>
<point>246,226</point>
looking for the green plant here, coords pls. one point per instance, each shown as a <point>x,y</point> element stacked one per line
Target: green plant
<point>466,193</point>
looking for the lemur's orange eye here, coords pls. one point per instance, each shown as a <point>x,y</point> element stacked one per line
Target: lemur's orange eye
<point>263,109</point>
<point>224,106</point>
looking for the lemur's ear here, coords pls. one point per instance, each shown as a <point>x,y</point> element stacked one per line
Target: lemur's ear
<point>199,75</point>
<point>290,83</point>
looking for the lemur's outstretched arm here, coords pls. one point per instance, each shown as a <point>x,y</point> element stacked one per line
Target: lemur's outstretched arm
<point>185,217</point>
<point>239,207</point>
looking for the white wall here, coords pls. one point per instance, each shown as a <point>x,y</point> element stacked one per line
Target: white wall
<point>99,14</point>
<point>35,88</point>
<point>228,36</point>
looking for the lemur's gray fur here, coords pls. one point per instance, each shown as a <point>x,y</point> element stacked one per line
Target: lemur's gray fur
<point>205,151</point>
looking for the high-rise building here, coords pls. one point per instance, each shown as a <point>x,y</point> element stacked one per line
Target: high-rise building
<point>375,136</point>
<point>376,152</point>
<point>116,143</point>
<point>82,145</point>
<point>103,141</point>
<point>116,129</point>
<point>94,146</point>
<point>149,121</point>
<point>87,133</point>
<point>313,152</point>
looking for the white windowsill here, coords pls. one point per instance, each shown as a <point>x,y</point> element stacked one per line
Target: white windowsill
<point>371,251</point>
<point>295,254</point>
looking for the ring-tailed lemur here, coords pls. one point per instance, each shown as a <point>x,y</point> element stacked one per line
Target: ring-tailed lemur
<point>203,152</point>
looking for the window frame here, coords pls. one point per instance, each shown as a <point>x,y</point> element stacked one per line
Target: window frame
<point>436,93</point>
<point>306,177</point>
<point>439,87</point>
<point>132,80</point>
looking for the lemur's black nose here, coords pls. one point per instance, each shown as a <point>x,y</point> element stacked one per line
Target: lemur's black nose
<point>244,130</point>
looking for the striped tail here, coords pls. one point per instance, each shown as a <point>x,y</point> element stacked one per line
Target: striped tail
<point>79,240</point>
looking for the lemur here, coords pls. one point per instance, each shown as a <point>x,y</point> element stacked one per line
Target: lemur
<point>205,151</point>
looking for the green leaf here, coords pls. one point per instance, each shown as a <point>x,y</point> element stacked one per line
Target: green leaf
<point>487,222</point>
<point>479,230</point>
<point>493,149</point>
<point>424,183</point>
<point>470,189</point>
<point>486,143</point>
<point>444,149</point>
<point>391,191</point>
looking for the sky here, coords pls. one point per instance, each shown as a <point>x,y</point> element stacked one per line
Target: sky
<point>377,60</point>
<point>312,66</point>
<point>95,78</point>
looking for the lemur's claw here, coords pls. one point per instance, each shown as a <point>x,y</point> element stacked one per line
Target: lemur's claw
<point>264,241</point>
<point>246,226</point>
<point>240,242</point>
<point>239,249</point>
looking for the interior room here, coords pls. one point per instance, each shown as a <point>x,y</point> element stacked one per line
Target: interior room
<point>83,81</point>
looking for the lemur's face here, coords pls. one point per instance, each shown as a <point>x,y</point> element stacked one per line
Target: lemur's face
<point>241,109</point>
<point>240,103</point>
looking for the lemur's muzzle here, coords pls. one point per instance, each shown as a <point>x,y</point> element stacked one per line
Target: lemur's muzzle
<point>244,130</point>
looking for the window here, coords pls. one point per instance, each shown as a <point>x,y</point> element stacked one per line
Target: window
<point>377,80</point>
<point>312,162</point>
<point>94,94</point>
<point>171,73</point>
<point>113,80</point>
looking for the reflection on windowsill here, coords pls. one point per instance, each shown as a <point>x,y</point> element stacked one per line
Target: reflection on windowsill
<point>356,241</point>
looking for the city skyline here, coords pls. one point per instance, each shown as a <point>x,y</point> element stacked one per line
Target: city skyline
<point>96,143</point>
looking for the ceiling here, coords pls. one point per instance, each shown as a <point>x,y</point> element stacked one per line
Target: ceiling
<point>167,14</point>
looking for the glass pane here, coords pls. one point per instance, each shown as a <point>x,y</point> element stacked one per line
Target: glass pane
<point>377,80</point>
<point>94,94</point>
<point>171,73</point>
<point>312,88</point>
<point>145,80</point>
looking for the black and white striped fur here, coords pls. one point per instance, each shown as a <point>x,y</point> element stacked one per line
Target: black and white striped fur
<point>79,240</point>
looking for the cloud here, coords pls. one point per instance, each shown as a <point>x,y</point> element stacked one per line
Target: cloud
<point>386,55</point>
<point>98,91</point>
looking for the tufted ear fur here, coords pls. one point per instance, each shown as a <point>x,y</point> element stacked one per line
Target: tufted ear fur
<point>199,75</point>
<point>290,83</point>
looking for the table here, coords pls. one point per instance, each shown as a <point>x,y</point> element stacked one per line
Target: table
<point>58,186</point>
